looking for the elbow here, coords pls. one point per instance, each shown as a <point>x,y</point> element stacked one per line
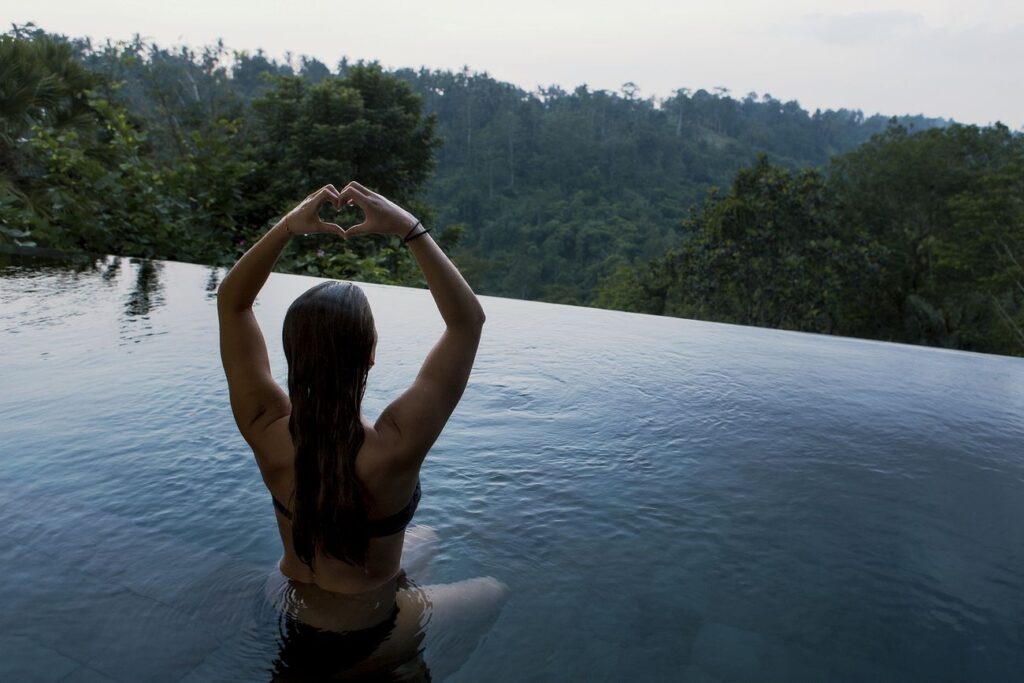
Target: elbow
<point>472,320</point>
<point>223,298</point>
<point>226,301</point>
<point>479,317</point>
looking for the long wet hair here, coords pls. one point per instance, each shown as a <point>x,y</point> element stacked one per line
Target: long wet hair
<point>328,338</point>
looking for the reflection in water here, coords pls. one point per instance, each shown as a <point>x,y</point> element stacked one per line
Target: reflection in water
<point>146,295</point>
<point>212,282</point>
<point>112,267</point>
<point>24,261</point>
<point>50,282</point>
<point>403,631</point>
<point>148,292</point>
<point>387,647</point>
<point>308,651</point>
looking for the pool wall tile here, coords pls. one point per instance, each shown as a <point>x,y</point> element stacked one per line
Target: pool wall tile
<point>228,597</point>
<point>89,620</point>
<point>23,660</point>
<point>84,674</point>
<point>150,642</point>
<point>728,652</point>
<point>694,674</point>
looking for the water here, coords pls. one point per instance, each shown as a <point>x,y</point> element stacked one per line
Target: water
<point>666,499</point>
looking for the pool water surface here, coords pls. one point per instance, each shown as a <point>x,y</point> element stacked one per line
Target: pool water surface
<point>666,499</point>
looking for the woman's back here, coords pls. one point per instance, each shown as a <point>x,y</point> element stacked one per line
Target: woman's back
<point>389,494</point>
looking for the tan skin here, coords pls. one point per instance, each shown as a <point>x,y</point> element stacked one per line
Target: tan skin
<point>339,595</point>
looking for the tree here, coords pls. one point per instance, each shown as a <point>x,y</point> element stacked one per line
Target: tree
<point>768,253</point>
<point>367,125</point>
<point>942,208</point>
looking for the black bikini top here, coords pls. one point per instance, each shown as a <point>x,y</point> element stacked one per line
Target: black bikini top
<point>377,527</point>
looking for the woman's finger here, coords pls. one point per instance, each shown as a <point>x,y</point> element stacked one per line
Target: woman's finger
<point>328,193</point>
<point>351,195</point>
<point>359,188</point>
<point>326,189</point>
<point>360,229</point>
<point>365,190</point>
<point>332,228</point>
<point>313,202</point>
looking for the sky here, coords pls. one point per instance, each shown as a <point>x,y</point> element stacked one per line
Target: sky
<point>954,59</point>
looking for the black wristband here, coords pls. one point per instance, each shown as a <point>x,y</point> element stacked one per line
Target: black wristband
<point>406,238</point>
<point>419,234</point>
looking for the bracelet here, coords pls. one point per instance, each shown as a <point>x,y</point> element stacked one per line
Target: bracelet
<point>419,234</point>
<point>406,238</point>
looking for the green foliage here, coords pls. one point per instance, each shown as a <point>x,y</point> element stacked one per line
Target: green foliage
<point>366,125</point>
<point>988,259</point>
<point>943,209</point>
<point>768,253</point>
<point>559,187</point>
<point>910,230</point>
<point>913,238</point>
<point>71,168</point>
<point>159,153</point>
<point>641,287</point>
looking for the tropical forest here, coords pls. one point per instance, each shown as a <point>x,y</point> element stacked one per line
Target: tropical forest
<point>719,206</point>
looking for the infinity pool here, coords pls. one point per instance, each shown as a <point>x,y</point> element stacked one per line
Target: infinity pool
<point>667,500</point>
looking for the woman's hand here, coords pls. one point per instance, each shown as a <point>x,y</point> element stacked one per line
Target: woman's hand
<point>380,214</point>
<point>304,219</point>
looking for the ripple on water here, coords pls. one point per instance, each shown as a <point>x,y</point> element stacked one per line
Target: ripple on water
<point>662,497</point>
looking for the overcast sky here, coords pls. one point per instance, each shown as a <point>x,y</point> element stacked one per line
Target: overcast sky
<point>963,60</point>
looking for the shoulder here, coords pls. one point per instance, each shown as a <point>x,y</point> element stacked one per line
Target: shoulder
<point>395,450</point>
<point>274,450</point>
<point>378,446</point>
<point>381,462</point>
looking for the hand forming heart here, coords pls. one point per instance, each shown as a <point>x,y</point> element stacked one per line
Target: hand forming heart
<point>380,215</point>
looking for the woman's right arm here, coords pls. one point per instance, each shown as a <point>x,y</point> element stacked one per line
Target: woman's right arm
<point>413,421</point>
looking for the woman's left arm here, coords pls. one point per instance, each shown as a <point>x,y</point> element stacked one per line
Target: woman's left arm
<point>256,399</point>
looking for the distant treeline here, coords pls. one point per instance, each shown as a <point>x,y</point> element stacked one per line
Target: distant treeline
<point>905,229</point>
<point>556,186</point>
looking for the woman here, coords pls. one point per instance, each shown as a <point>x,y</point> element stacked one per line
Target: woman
<point>344,488</point>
